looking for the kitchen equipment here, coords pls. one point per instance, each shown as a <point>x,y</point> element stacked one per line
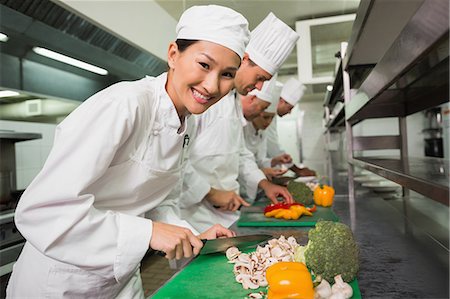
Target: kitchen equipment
<point>241,242</point>
<point>8,140</point>
<point>11,241</point>
<point>433,118</point>
<point>382,186</point>
<point>6,183</point>
<point>433,133</point>
<point>211,276</point>
<point>222,244</point>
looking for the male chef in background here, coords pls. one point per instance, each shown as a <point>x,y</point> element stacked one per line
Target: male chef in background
<point>291,94</point>
<point>261,105</point>
<point>218,154</point>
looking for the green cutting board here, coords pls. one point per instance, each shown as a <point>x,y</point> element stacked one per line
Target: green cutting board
<point>258,219</point>
<point>211,277</point>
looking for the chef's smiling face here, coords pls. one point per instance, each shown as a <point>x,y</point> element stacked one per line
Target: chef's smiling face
<point>200,75</point>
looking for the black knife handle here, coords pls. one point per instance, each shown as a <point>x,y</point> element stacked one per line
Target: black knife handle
<point>163,254</point>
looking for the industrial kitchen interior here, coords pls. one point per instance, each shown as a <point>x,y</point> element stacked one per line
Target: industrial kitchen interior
<point>361,170</point>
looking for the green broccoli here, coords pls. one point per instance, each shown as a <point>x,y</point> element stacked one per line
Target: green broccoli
<point>300,192</point>
<point>331,250</point>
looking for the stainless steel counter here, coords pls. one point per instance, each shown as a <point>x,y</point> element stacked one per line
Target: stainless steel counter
<point>398,257</point>
<point>394,263</point>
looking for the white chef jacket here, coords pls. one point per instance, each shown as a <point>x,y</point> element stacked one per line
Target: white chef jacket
<point>273,144</point>
<point>256,142</point>
<point>168,211</point>
<point>114,158</point>
<point>217,157</point>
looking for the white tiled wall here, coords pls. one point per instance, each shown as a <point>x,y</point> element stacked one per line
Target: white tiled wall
<point>389,126</point>
<point>30,155</point>
<point>312,135</point>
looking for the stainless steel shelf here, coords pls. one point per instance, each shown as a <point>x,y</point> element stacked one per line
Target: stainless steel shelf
<point>413,74</point>
<point>428,176</point>
<point>19,136</point>
<point>337,121</point>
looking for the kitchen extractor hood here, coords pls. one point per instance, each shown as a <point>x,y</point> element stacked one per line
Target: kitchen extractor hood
<point>43,23</point>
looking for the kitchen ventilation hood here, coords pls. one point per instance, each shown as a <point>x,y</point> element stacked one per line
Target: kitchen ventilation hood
<point>43,23</point>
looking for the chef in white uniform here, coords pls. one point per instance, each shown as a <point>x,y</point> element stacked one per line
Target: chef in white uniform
<point>254,136</point>
<point>116,157</point>
<point>218,154</point>
<point>291,94</point>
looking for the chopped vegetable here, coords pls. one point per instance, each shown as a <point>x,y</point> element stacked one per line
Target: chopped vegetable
<point>294,211</point>
<point>323,195</point>
<point>289,280</point>
<point>331,250</point>
<point>280,205</point>
<point>300,192</point>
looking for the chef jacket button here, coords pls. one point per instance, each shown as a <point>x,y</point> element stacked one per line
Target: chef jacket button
<point>156,132</point>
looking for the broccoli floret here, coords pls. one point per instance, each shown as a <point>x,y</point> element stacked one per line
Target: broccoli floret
<point>332,250</point>
<point>300,192</point>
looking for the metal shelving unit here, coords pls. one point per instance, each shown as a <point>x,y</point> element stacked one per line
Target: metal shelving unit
<point>410,74</point>
<point>425,175</point>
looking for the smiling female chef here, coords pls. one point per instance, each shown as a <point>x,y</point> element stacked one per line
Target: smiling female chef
<point>115,158</point>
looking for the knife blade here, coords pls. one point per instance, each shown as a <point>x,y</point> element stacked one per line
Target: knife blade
<point>222,244</point>
<point>252,209</point>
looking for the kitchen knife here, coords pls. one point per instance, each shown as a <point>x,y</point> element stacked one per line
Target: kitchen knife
<point>252,209</point>
<point>222,244</point>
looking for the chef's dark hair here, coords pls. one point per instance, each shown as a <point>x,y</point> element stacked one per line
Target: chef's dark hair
<point>183,44</point>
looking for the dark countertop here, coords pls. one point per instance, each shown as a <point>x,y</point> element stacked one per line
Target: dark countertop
<point>399,259</point>
<point>394,264</point>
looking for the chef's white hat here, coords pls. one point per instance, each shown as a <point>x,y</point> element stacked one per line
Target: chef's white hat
<point>270,44</point>
<point>293,91</point>
<point>267,90</point>
<point>275,98</point>
<point>217,24</point>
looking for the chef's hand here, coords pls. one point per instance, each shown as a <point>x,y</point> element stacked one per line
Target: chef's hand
<point>273,191</point>
<point>281,159</point>
<point>176,241</point>
<point>225,200</point>
<point>216,231</point>
<point>270,173</point>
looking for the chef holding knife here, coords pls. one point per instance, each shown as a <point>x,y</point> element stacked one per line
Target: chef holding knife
<point>218,154</point>
<point>116,157</point>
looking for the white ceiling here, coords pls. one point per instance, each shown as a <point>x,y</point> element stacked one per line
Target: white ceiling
<point>289,11</point>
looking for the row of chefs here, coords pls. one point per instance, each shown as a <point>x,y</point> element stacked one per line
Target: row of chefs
<point>158,162</point>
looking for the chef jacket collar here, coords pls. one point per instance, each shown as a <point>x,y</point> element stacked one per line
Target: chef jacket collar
<point>167,111</point>
<point>240,112</point>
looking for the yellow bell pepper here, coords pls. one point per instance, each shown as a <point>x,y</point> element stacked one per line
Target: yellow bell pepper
<point>323,195</point>
<point>289,280</point>
<point>294,212</point>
